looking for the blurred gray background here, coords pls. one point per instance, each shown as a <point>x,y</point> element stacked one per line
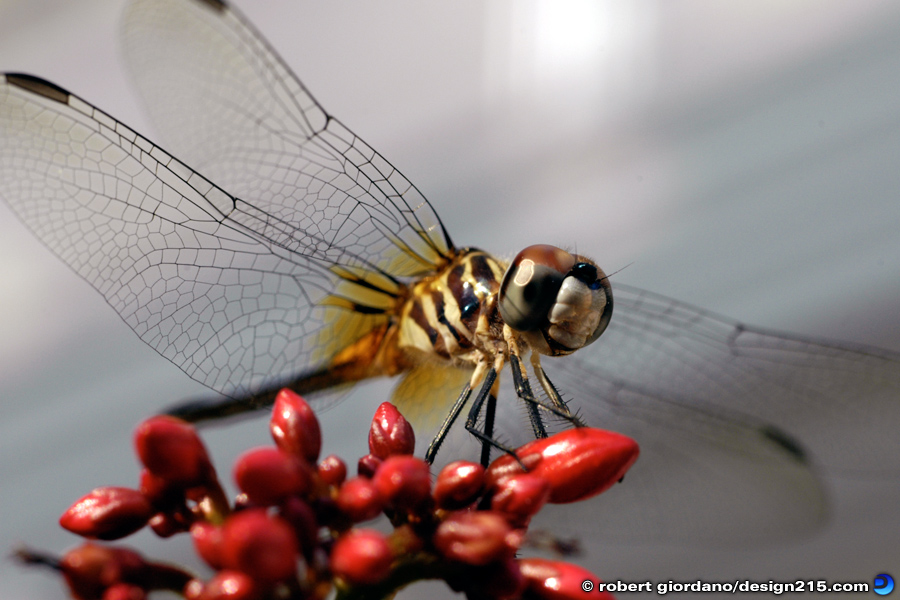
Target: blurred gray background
<point>741,156</point>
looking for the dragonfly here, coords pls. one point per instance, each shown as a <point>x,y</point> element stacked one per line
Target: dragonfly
<point>265,244</point>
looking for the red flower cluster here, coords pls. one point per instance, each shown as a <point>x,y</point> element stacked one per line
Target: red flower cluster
<point>292,532</point>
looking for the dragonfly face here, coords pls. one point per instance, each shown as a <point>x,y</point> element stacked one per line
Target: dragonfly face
<point>264,243</point>
<point>560,301</point>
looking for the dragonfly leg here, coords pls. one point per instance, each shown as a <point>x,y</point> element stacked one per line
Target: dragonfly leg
<point>523,391</point>
<point>490,412</point>
<point>489,394</point>
<point>553,394</point>
<point>441,435</point>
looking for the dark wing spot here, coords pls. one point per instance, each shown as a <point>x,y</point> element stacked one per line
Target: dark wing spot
<point>215,4</point>
<point>785,440</point>
<point>38,86</point>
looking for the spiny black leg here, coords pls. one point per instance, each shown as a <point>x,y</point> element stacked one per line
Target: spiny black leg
<point>490,413</point>
<point>555,397</point>
<point>475,410</point>
<point>441,435</point>
<point>523,390</point>
<point>551,390</point>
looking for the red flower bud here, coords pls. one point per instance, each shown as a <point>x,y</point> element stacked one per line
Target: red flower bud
<point>241,502</point>
<point>159,492</point>
<point>124,591</point>
<point>556,580</point>
<point>578,463</point>
<point>302,520</point>
<point>193,589</point>
<point>225,585</point>
<point>107,513</point>
<point>359,499</point>
<point>89,569</point>
<point>261,546</point>
<point>390,434</point>
<point>403,481</point>
<point>367,466</point>
<point>171,449</point>
<point>268,475</point>
<point>167,524</point>
<point>327,513</point>
<point>519,497</point>
<point>458,484</point>
<point>208,543</point>
<point>332,470</point>
<point>294,426</point>
<point>499,580</point>
<point>361,557</point>
<point>476,538</point>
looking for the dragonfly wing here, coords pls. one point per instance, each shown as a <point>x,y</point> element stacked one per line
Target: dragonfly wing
<point>426,393</point>
<point>226,103</point>
<point>229,293</point>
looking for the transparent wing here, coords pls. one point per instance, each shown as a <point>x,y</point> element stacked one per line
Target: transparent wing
<point>231,294</point>
<point>740,429</point>
<point>226,103</point>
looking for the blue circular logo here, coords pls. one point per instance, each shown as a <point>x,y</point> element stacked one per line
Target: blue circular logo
<point>884,584</point>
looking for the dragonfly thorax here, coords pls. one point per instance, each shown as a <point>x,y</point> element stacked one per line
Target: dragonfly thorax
<point>453,315</point>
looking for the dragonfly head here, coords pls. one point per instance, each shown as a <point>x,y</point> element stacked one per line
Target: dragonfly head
<point>559,301</point>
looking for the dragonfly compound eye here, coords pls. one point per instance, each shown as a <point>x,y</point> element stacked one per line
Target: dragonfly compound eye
<point>565,297</point>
